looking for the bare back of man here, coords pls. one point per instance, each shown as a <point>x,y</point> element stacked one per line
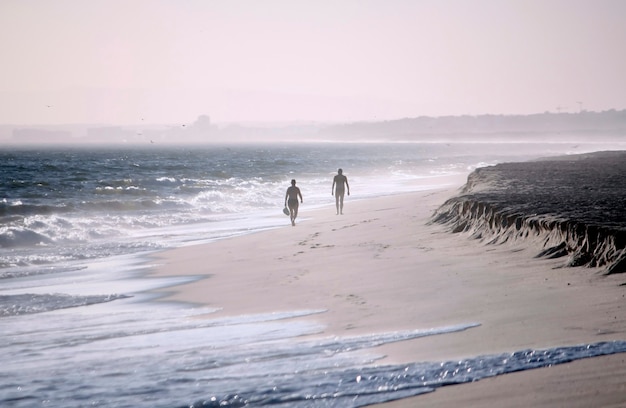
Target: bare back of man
<point>340,184</point>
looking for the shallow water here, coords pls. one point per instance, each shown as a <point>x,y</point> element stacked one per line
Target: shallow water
<point>111,355</point>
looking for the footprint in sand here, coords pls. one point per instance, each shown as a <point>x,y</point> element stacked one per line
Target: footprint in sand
<point>355,225</point>
<point>309,238</point>
<point>314,246</point>
<point>355,299</point>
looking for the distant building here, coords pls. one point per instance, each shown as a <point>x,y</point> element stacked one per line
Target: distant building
<point>110,134</point>
<point>41,136</point>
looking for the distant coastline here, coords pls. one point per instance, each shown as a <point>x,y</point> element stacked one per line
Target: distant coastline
<point>606,125</point>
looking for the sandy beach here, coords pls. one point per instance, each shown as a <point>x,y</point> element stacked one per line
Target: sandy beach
<point>382,267</point>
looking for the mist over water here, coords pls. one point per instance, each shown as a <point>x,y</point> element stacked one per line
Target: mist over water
<point>82,329</point>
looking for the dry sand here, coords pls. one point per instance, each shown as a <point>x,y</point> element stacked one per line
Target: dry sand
<point>381,268</point>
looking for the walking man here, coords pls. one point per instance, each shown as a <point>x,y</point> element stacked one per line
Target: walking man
<point>341,182</point>
<point>291,201</point>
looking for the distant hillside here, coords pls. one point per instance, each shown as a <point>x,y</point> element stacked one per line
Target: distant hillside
<point>583,126</point>
<point>608,123</point>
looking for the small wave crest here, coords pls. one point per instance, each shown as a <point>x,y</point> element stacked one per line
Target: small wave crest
<point>361,387</point>
<point>6,272</point>
<point>42,231</point>
<point>18,208</point>
<point>14,237</point>
<point>29,303</point>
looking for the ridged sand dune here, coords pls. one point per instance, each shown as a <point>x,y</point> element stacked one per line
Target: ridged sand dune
<point>570,206</point>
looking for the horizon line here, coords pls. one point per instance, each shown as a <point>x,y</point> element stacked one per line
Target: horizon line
<point>312,121</point>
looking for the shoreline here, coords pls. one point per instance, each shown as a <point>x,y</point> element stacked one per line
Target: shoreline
<point>383,267</point>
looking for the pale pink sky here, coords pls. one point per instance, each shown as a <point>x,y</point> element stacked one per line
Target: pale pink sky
<point>168,61</point>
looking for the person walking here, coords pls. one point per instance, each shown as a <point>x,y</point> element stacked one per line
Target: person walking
<point>340,181</point>
<point>291,201</point>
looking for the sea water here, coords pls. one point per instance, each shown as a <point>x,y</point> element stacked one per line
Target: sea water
<point>80,325</point>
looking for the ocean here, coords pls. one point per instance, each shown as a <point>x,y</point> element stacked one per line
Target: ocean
<point>81,326</point>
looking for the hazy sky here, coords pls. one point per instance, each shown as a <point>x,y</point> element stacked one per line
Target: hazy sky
<point>168,61</point>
